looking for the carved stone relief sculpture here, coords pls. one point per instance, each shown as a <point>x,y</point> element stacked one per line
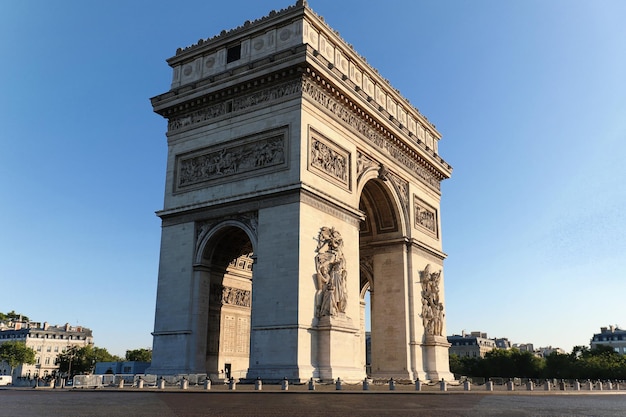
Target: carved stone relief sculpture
<point>425,216</point>
<point>330,264</point>
<point>329,159</point>
<point>229,295</point>
<point>223,162</point>
<point>432,308</point>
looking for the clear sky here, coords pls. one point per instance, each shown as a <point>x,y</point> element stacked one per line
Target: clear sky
<point>530,96</point>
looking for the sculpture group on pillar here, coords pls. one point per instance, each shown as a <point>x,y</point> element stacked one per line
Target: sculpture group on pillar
<point>432,308</point>
<point>330,264</point>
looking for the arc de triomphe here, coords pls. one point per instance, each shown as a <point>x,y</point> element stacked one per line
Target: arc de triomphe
<point>298,179</point>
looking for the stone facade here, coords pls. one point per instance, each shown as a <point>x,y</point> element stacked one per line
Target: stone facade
<point>297,180</point>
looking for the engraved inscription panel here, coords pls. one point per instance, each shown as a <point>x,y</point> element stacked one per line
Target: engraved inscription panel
<point>425,216</point>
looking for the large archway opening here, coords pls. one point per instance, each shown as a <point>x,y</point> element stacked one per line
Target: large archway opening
<point>229,259</point>
<point>382,270</point>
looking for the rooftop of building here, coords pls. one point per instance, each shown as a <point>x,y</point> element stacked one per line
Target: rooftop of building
<point>26,327</point>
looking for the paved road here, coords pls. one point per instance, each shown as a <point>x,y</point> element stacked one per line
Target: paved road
<point>96,403</point>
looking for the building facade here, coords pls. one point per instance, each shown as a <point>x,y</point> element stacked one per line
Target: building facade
<point>47,341</point>
<point>474,344</point>
<point>298,179</point>
<point>611,336</point>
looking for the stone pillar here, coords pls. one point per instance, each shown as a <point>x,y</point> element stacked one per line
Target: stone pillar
<point>467,386</point>
<point>207,384</point>
<point>232,384</point>
<point>258,384</point>
<point>184,383</point>
<point>489,385</point>
<point>161,384</point>
<point>437,360</point>
<point>311,385</point>
<point>140,383</point>
<point>392,385</point>
<point>339,384</point>
<point>530,386</point>
<point>510,386</point>
<point>284,384</point>
<point>333,333</point>
<point>443,386</point>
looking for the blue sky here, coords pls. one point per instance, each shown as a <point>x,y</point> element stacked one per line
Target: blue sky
<point>530,97</point>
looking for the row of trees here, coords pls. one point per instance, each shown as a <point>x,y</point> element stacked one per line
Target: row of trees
<point>82,360</point>
<point>582,363</point>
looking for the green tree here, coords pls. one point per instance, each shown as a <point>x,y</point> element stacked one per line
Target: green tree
<point>82,360</point>
<point>16,353</point>
<point>140,355</point>
<point>12,315</point>
<point>456,366</point>
<point>560,366</point>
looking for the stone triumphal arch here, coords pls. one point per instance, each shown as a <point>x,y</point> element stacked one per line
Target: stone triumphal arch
<point>298,180</point>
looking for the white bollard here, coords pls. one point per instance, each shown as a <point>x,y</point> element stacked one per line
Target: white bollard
<point>599,385</point>
<point>589,385</point>
<point>285,384</point>
<point>392,385</point>
<point>489,385</point>
<point>121,384</point>
<point>510,386</point>
<point>467,386</point>
<point>339,384</point>
<point>258,384</point>
<point>530,386</point>
<point>576,385</point>
<point>140,383</point>
<point>311,385</point>
<point>161,384</point>
<point>366,384</point>
<point>232,384</point>
<point>207,384</point>
<point>184,383</point>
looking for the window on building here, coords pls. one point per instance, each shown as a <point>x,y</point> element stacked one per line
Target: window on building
<point>56,348</point>
<point>47,362</point>
<point>233,53</point>
<point>37,360</point>
<point>39,348</point>
<point>49,349</point>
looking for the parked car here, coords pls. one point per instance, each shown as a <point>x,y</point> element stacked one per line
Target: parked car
<point>6,380</point>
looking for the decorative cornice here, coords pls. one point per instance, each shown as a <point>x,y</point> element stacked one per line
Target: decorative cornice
<point>375,134</point>
<point>299,5</point>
